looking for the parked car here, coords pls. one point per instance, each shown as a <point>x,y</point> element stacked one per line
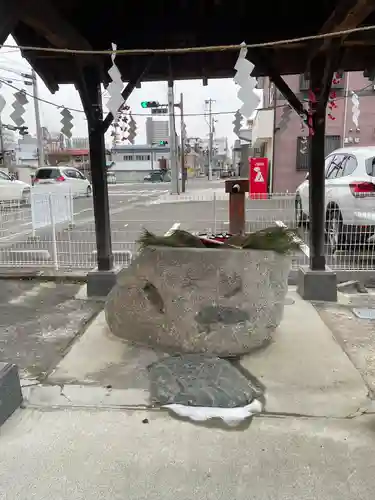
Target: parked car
<point>13,191</point>
<point>77,182</point>
<point>157,176</point>
<point>349,198</point>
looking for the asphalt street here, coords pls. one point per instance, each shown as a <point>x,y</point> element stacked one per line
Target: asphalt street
<point>130,214</point>
<point>74,247</point>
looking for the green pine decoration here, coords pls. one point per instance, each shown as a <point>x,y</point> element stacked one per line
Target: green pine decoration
<point>277,239</point>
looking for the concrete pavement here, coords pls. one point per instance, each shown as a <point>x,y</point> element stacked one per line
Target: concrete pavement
<point>141,455</point>
<point>90,433</point>
<point>355,336</point>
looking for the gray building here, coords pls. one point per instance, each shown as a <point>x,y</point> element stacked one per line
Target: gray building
<point>132,162</point>
<point>156,131</point>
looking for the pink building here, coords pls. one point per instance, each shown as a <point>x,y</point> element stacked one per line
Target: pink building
<point>280,138</point>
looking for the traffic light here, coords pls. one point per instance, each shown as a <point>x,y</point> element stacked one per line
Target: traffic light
<point>150,104</point>
<point>23,130</point>
<point>163,143</point>
<point>237,122</point>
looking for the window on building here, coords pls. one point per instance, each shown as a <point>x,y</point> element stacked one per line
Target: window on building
<point>332,142</point>
<point>142,157</point>
<point>128,157</point>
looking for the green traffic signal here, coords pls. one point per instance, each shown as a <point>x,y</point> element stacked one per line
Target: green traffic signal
<point>150,104</point>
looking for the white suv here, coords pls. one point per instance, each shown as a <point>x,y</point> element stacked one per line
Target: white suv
<point>349,198</point>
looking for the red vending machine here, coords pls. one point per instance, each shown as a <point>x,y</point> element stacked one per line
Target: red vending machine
<point>258,178</point>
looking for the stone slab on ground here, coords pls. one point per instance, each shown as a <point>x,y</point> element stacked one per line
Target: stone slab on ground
<point>199,380</point>
<point>38,321</point>
<point>99,358</point>
<point>304,370</point>
<point>141,455</point>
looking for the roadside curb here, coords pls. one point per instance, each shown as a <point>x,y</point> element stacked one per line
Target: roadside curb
<point>43,276</point>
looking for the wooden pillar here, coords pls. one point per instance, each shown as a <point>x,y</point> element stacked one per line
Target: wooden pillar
<point>321,73</point>
<point>317,180</point>
<point>90,91</point>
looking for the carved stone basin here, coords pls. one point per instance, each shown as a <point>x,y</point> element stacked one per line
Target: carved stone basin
<point>224,302</point>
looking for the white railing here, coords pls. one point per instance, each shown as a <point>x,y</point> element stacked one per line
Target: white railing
<point>59,233</point>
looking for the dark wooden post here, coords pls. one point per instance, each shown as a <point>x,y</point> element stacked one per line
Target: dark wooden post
<point>316,282</point>
<point>237,190</point>
<point>316,171</point>
<point>321,74</point>
<point>90,92</point>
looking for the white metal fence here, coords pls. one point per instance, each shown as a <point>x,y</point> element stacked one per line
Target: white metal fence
<point>58,232</point>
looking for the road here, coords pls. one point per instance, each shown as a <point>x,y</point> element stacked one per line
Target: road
<point>16,221</point>
<point>136,206</point>
<point>74,247</point>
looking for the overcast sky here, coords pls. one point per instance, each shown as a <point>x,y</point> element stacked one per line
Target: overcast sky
<point>224,92</point>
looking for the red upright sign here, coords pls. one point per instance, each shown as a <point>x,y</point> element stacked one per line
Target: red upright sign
<point>258,176</point>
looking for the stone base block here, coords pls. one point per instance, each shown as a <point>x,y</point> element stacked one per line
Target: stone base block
<point>317,285</point>
<point>100,283</point>
<point>10,391</point>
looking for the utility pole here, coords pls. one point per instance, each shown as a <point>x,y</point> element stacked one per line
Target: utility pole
<point>175,188</point>
<point>210,137</point>
<point>183,169</point>
<point>39,134</point>
<point>2,106</point>
<point>2,142</point>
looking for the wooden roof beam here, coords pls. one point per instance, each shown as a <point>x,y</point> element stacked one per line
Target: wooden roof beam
<point>42,16</point>
<point>10,15</point>
<point>348,14</point>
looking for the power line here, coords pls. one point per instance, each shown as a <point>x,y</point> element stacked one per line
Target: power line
<point>74,110</point>
<point>40,99</point>
<point>19,73</point>
<point>185,50</point>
